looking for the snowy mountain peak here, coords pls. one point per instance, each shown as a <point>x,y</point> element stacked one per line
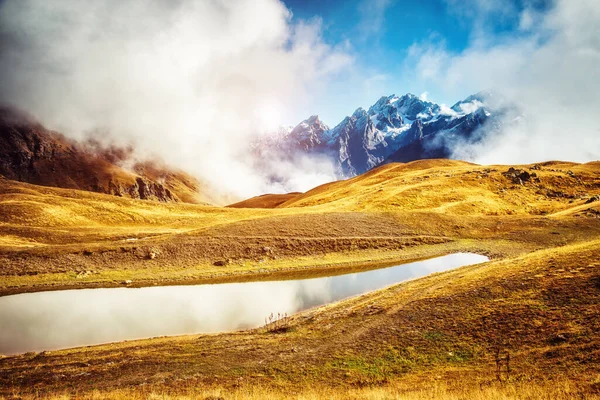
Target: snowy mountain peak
<point>396,128</point>
<point>359,113</point>
<point>309,126</point>
<point>313,119</point>
<point>474,102</point>
<point>309,134</point>
<point>412,107</point>
<point>385,114</point>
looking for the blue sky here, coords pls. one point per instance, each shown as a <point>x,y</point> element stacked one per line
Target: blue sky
<point>380,33</point>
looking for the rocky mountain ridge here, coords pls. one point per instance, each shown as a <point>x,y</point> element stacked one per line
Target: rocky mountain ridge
<point>31,153</point>
<point>395,128</point>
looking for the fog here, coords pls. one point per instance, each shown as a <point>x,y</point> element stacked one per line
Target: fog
<point>187,81</point>
<point>69,318</point>
<point>549,69</point>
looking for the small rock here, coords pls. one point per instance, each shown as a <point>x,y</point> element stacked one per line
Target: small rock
<point>152,253</point>
<point>517,176</point>
<point>221,263</point>
<point>593,199</point>
<point>127,282</point>
<point>558,339</point>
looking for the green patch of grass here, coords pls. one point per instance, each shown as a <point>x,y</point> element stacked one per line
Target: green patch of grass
<point>359,367</point>
<point>391,362</point>
<point>434,336</point>
<point>460,356</point>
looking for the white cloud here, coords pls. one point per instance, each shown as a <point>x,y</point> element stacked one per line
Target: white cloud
<point>187,80</point>
<point>527,20</point>
<point>470,107</point>
<point>373,16</point>
<point>446,110</point>
<point>552,72</point>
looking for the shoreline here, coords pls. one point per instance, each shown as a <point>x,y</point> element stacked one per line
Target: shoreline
<point>331,264</point>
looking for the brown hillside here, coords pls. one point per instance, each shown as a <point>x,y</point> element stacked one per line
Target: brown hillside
<point>400,211</point>
<point>537,299</point>
<point>31,153</point>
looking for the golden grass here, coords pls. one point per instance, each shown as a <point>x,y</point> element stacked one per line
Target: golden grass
<point>434,336</point>
<point>548,390</point>
<point>453,187</point>
<point>430,338</point>
<point>54,237</point>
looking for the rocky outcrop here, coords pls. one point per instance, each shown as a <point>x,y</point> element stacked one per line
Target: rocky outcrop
<point>520,176</point>
<point>31,153</point>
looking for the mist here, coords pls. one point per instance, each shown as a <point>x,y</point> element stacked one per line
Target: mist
<point>192,83</point>
<point>189,82</point>
<point>549,70</point>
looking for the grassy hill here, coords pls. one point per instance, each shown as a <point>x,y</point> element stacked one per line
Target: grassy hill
<point>265,201</point>
<point>436,337</point>
<point>57,237</point>
<point>536,301</point>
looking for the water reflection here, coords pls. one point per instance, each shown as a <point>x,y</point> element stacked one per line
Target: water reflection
<point>70,318</point>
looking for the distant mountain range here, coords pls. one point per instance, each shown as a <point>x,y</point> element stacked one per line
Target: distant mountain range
<point>404,128</point>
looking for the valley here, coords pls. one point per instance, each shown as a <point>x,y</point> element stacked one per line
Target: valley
<point>536,299</point>
<point>56,238</point>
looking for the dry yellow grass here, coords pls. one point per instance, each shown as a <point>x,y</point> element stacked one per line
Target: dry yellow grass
<point>456,187</point>
<point>550,390</point>
<point>265,200</point>
<point>49,237</point>
<point>541,308</point>
<point>436,337</point>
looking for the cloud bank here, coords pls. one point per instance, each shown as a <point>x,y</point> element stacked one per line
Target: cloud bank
<point>189,81</point>
<point>550,69</point>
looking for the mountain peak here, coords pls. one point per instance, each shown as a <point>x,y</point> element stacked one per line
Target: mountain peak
<point>405,127</point>
<point>475,101</point>
<point>313,119</point>
<point>409,96</point>
<point>359,112</point>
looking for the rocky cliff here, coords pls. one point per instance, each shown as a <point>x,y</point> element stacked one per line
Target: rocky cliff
<point>31,153</point>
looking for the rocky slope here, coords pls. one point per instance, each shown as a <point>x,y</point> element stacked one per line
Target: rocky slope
<point>31,153</point>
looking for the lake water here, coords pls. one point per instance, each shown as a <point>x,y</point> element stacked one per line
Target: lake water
<point>70,318</point>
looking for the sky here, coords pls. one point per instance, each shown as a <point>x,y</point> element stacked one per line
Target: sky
<point>192,81</point>
<point>380,34</point>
